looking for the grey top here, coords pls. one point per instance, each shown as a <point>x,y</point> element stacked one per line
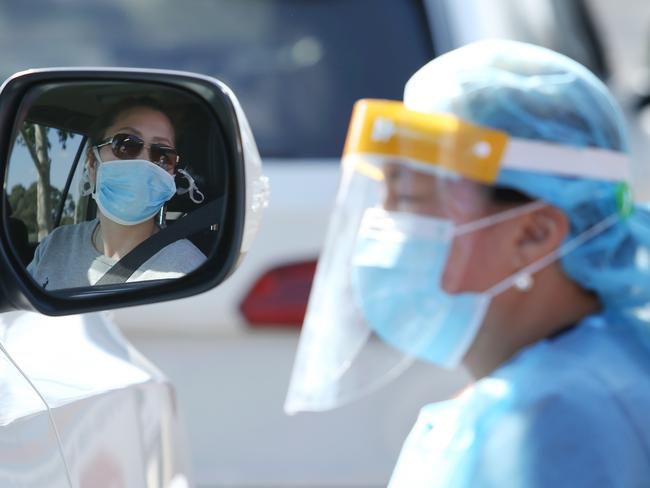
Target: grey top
<point>67,258</point>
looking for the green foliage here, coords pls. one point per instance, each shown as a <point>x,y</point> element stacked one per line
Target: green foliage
<point>39,215</point>
<point>23,204</point>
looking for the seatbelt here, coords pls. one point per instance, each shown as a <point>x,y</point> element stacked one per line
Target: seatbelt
<point>196,221</point>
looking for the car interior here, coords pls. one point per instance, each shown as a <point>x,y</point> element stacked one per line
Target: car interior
<point>71,108</point>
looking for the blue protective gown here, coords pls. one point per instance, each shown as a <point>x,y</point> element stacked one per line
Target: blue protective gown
<point>570,411</point>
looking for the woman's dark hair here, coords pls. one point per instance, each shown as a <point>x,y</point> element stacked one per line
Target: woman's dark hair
<point>97,130</point>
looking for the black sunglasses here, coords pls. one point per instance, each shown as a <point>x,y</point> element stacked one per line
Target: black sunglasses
<point>129,146</point>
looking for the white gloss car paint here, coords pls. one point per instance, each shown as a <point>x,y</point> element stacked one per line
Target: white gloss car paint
<point>80,407</point>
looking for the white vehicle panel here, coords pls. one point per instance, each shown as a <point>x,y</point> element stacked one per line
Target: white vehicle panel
<point>232,388</point>
<point>29,452</point>
<point>114,413</point>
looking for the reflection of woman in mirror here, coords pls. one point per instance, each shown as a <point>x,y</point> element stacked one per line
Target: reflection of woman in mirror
<point>130,173</point>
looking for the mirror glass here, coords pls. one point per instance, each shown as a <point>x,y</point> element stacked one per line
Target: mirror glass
<point>99,168</point>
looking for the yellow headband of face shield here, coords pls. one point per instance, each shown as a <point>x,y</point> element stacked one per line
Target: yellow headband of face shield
<point>446,143</point>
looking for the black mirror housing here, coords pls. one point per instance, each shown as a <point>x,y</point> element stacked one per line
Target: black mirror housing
<point>230,212</point>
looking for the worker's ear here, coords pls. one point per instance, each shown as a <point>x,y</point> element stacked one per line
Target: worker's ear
<point>538,234</point>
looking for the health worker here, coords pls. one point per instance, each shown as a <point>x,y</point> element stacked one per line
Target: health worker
<point>487,221</point>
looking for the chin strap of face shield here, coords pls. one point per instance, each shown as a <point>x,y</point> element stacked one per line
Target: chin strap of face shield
<point>196,221</point>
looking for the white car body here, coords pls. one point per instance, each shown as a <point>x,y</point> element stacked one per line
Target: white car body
<point>82,408</point>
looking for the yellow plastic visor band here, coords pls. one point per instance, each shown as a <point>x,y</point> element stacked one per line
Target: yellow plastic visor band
<point>387,128</point>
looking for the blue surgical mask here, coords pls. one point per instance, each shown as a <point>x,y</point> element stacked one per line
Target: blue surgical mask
<point>397,280</point>
<point>397,271</point>
<point>132,191</point>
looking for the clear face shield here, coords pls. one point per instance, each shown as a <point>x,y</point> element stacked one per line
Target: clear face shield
<point>405,272</point>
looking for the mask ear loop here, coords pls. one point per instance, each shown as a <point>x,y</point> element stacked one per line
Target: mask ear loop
<point>559,253</point>
<point>86,187</point>
<point>499,217</point>
<point>98,158</point>
<point>195,194</point>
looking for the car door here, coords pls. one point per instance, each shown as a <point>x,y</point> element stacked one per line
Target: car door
<point>30,454</point>
<point>91,408</point>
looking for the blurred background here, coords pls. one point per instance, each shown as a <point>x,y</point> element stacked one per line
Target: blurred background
<point>297,66</point>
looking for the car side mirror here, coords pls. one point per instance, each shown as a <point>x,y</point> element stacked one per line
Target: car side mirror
<point>122,187</point>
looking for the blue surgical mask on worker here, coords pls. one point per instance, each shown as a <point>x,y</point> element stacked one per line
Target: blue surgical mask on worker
<point>132,191</point>
<point>397,270</point>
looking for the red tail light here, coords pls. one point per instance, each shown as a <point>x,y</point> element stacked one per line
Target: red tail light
<point>280,296</point>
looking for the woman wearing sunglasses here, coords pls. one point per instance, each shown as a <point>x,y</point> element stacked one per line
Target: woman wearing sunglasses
<point>130,170</point>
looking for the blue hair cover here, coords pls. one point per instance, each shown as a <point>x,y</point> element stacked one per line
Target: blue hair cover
<point>534,93</point>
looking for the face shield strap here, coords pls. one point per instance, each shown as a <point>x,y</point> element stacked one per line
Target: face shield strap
<point>562,160</point>
<point>445,143</point>
<point>440,142</point>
